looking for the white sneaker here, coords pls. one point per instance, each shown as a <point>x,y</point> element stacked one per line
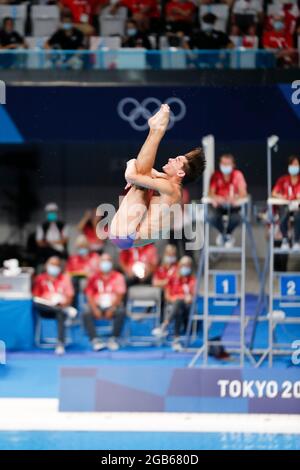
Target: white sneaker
<point>159,332</point>
<point>220,240</point>
<point>71,312</point>
<point>98,345</point>
<point>296,246</point>
<point>285,244</point>
<point>230,241</point>
<point>177,346</point>
<point>60,349</point>
<point>113,344</point>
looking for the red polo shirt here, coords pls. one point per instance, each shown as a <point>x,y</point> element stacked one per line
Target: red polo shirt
<point>46,287</point>
<point>137,6</point>
<point>187,7</point>
<point>82,8</point>
<point>145,254</point>
<point>286,188</point>
<point>228,188</point>
<point>83,264</point>
<point>277,40</point>
<point>181,286</point>
<point>165,272</point>
<point>112,283</point>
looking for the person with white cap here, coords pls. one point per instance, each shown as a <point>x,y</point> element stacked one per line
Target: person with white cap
<point>52,236</point>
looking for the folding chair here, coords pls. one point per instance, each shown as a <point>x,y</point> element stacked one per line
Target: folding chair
<point>143,310</point>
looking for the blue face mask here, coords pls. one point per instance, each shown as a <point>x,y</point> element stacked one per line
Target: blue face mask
<point>131,32</point>
<point>278,25</point>
<point>67,26</point>
<point>225,169</point>
<point>293,170</point>
<point>52,216</point>
<point>105,266</point>
<point>83,251</point>
<point>53,270</point>
<point>185,271</point>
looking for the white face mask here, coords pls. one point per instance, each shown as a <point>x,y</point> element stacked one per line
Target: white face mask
<point>53,270</point>
<point>105,266</point>
<point>185,271</point>
<point>293,170</point>
<point>207,27</point>
<point>226,170</point>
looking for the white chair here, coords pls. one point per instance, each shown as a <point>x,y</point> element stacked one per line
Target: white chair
<point>113,24</point>
<point>35,59</point>
<point>105,51</point>
<point>143,305</point>
<point>236,40</point>
<point>171,57</point>
<point>18,13</point>
<point>45,19</point>
<point>221,12</point>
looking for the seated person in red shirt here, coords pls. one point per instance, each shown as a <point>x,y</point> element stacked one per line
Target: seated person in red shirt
<point>138,264</point>
<point>88,227</point>
<point>288,187</point>
<point>167,268</point>
<point>84,13</point>
<point>53,295</point>
<point>179,293</point>
<point>105,293</point>
<point>227,186</point>
<point>279,39</point>
<point>145,12</point>
<point>180,16</point>
<point>85,262</point>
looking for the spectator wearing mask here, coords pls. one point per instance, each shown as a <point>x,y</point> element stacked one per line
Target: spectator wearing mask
<point>134,37</point>
<point>179,292</point>
<point>84,262</point>
<point>53,295</point>
<point>10,40</point>
<point>180,16</point>
<point>145,13</point>
<point>288,187</point>
<point>167,268</point>
<point>84,13</point>
<point>247,12</point>
<point>138,264</point>
<point>227,186</point>
<point>280,40</point>
<point>52,235</point>
<point>89,227</point>
<point>66,38</point>
<point>105,294</point>
<point>209,38</point>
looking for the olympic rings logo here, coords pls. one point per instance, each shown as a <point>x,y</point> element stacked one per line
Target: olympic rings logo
<point>137,114</point>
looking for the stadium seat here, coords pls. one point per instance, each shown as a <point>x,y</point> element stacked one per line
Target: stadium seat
<point>45,19</point>
<point>172,58</point>
<point>18,13</point>
<point>113,24</point>
<point>107,47</point>
<point>143,305</point>
<point>221,12</point>
<point>35,60</point>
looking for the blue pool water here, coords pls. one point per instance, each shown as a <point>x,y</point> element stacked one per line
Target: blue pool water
<point>74,440</point>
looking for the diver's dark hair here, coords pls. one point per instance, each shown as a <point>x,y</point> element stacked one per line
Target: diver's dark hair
<point>195,165</point>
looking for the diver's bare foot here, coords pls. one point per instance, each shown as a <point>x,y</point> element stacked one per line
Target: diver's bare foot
<point>160,120</point>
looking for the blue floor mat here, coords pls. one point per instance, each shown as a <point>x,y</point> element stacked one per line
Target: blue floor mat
<point>75,440</point>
